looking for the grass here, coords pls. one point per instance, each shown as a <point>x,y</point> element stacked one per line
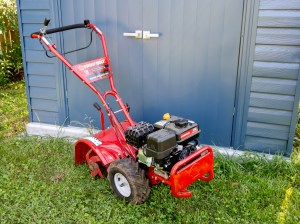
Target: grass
<point>13,109</point>
<point>40,184</point>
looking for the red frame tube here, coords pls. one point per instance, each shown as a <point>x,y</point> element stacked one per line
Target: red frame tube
<point>102,96</point>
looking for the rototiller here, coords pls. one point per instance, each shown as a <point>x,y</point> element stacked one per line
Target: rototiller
<point>133,156</point>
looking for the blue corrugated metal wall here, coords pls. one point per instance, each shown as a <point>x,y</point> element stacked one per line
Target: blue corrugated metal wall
<point>190,70</point>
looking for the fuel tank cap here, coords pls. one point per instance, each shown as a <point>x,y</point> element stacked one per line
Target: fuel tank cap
<point>181,123</point>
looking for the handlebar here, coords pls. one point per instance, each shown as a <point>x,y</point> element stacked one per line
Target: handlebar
<point>63,28</point>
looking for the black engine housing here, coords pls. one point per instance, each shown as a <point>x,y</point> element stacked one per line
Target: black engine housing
<point>167,141</point>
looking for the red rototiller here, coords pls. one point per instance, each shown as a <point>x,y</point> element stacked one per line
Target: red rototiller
<point>133,156</point>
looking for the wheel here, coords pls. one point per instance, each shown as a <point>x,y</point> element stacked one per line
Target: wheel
<point>128,181</point>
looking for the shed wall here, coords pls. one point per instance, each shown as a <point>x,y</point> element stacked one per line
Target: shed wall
<point>44,85</point>
<point>275,77</point>
<point>266,112</point>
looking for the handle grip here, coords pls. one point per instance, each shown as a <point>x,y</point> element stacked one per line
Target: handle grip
<point>63,28</point>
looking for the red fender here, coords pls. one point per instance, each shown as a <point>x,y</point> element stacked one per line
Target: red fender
<point>96,154</point>
<point>100,149</point>
<point>107,152</point>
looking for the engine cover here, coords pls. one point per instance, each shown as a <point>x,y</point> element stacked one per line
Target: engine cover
<point>183,128</point>
<point>160,144</point>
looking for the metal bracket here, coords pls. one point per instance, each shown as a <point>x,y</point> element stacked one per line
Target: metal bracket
<point>138,34</point>
<point>147,35</point>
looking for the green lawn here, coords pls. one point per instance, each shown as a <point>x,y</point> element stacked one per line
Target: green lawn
<point>40,184</point>
<point>13,109</point>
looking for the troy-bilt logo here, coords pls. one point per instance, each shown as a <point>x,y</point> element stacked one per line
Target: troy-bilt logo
<point>90,65</point>
<point>188,133</point>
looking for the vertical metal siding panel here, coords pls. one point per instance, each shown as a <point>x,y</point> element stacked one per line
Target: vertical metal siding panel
<point>175,56</point>
<point>215,36</point>
<point>60,79</point>
<point>216,64</point>
<point>150,53</point>
<point>228,67</point>
<point>112,33</point>
<point>189,49</point>
<point>197,54</point>
<point>79,96</point>
<point>123,75</point>
<point>163,57</point>
<point>199,84</point>
<point>250,18</point>
<point>89,13</point>
<point>134,91</point>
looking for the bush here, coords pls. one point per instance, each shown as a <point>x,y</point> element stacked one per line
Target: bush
<point>10,49</point>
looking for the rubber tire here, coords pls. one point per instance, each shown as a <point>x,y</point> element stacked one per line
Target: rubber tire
<point>139,184</point>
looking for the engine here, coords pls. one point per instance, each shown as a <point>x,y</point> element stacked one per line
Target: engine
<point>164,143</point>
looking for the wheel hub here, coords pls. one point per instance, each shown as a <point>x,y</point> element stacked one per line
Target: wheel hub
<point>122,184</point>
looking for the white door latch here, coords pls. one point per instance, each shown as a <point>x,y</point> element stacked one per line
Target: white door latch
<point>148,35</point>
<point>137,34</point>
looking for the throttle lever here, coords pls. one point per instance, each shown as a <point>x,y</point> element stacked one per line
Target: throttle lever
<point>46,21</point>
<point>96,105</point>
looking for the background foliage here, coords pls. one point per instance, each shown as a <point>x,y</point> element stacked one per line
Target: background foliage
<point>11,68</point>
